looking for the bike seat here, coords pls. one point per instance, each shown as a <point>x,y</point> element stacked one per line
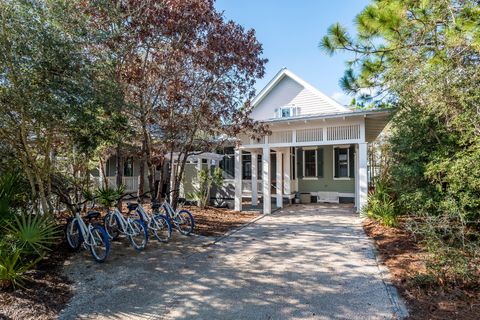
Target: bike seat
<point>132,206</point>
<point>92,215</point>
<point>156,205</point>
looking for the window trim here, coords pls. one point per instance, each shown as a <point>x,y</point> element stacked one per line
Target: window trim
<point>315,177</point>
<point>348,162</point>
<point>280,111</point>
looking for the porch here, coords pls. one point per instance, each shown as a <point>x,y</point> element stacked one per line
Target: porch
<point>324,157</point>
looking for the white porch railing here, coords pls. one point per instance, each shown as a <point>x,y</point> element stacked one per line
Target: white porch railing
<point>310,136</point>
<point>307,135</point>
<point>130,183</point>
<point>343,132</point>
<point>247,186</point>
<point>280,137</point>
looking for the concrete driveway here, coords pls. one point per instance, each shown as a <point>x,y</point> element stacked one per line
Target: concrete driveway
<point>303,262</point>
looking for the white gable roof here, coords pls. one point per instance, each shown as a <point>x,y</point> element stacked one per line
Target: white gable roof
<point>287,89</point>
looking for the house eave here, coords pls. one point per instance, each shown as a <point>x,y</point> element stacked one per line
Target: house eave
<point>323,116</point>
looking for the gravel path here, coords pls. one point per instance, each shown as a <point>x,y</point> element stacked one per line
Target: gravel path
<point>303,262</point>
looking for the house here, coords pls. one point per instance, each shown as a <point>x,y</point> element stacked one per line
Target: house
<point>317,149</point>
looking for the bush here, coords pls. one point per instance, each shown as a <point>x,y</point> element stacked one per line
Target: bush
<point>108,196</point>
<point>24,237</point>
<point>381,207</point>
<point>205,181</point>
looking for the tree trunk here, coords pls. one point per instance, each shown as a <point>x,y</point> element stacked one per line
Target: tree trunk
<point>151,179</point>
<point>178,178</point>
<point>103,173</point>
<point>162,178</point>
<point>119,174</point>
<point>141,183</point>
<point>119,168</point>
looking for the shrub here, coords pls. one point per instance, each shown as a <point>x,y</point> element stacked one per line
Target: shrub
<point>24,237</point>
<point>381,207</point>
<point>108,196</point>
<point>204,183</point>
<point>33,233</point>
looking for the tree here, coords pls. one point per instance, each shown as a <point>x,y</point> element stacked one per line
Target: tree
<point>186,72</point>
<point>422,57</point>
<point>53,92</point>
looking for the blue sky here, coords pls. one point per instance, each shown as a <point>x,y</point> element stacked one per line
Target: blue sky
<point>290,32</point>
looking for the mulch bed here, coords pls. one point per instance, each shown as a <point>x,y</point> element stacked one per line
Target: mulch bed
<point>405,260</point>
<point>45,295</point>
<point>216,222</point>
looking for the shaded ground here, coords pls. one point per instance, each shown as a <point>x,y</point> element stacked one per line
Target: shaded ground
<point>46,294</point>
<point>216,222</point>
<point>303,262</point>
<point>50,290</point>
<point>405,261</point>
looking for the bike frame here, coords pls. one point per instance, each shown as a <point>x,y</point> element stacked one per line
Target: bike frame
<point>124,223</point>
<point>85,231</point>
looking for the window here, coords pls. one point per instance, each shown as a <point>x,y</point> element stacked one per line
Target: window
<point>286,112</point>
<point>342,164</point>
<point>228,163</point>
<point>128,167</point>
<point>310,163</point>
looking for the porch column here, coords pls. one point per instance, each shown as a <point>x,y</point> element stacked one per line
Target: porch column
<point>279,186</point>
<point>357,202</point>
<point>287,183</point>
<point>362,176</point>
<point>254,161</point>
<point>267,204</point>
<point>238,180</point>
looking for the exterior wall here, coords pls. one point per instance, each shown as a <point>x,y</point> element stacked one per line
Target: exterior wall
<point>327,183</point>
<point>289,92</point>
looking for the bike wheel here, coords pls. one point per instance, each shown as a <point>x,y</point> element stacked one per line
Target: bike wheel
<point>99,243</point>
<point>138,234</point>
<point>112,226</point>
<point>184,222</point>
<point>161,228</point>
<point>73,234</point>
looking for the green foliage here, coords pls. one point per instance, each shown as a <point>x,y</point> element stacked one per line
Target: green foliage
<point>13,268</point>
<point>422,57</point>
<point>24,237</point>
<point>7,194</point>
<point>204,183</point>
<point>34,233</point>
<point>381,207</point>
<point>108,196</point>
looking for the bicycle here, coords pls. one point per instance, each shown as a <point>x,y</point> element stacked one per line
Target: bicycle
<point>92,236</point>
<point>135,229</point>
<point>157,223</point>
<point>182,219</point>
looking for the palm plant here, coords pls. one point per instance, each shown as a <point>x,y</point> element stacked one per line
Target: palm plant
<point>34,233</point>
<point>13,268</point>
<point>108,196</point>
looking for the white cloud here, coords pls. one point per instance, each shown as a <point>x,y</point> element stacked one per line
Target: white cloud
<point>341,98</point>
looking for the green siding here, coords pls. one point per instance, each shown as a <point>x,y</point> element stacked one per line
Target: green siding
<point>327,183</point>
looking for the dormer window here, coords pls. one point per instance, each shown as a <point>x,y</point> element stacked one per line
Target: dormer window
<point>286,112</point>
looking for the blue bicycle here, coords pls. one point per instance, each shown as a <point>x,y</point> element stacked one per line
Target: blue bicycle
<point>182,219</point>
<point>157,224</point>
<point>92,236</point>
<point>135,229</point>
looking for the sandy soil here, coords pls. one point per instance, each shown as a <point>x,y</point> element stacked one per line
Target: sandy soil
<point>405,260</point>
